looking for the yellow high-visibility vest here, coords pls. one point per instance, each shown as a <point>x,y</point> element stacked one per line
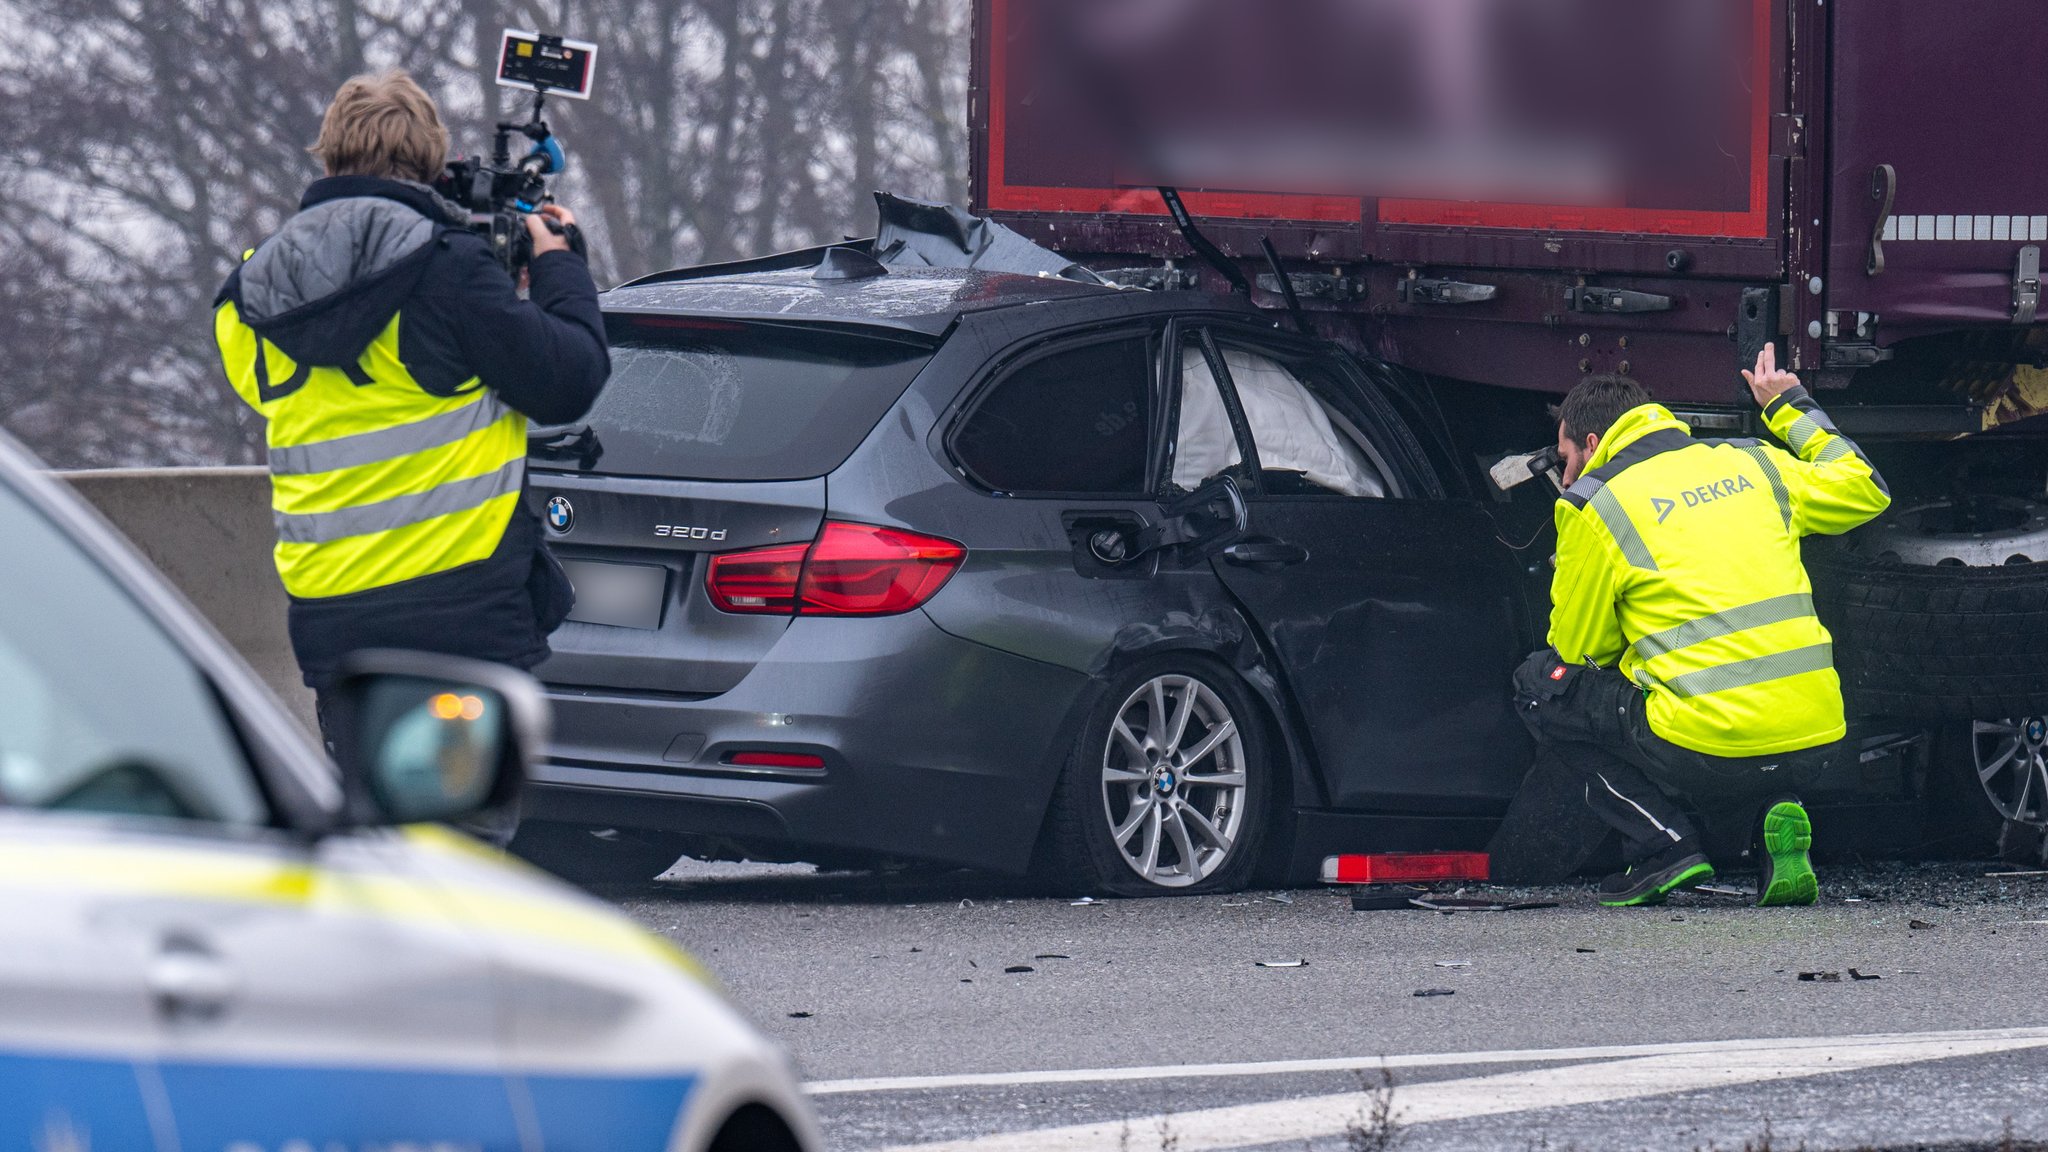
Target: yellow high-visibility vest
<point>373,479</point>
<point>1679,560</point>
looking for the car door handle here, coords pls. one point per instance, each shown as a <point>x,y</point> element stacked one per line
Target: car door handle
<point>1265,553</point>
<point>189,981</point>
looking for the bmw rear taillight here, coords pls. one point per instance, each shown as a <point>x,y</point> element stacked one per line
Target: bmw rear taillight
<point>849,570</point>
<point>759,580</point>
<point>862,570</point>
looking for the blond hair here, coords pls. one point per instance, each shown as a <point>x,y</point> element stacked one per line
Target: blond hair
<point>382,124</point>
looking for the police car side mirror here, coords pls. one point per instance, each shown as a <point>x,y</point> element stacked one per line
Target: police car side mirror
<point>422,737</point>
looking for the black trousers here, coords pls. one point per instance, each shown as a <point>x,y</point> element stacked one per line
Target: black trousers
<point>1599,766</point>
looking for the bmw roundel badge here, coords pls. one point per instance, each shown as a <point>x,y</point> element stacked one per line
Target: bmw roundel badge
<point>561,516</point>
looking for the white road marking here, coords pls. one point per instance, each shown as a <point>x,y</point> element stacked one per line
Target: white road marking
<point>1247,1125</point>
<point>1374,1063</point>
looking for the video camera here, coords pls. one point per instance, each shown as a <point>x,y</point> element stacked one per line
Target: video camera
<point>499,193</point>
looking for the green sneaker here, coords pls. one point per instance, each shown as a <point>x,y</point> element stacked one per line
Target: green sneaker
<point>1654,879</point>
<point>1785,874</point>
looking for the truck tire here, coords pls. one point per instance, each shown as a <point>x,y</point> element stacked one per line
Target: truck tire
<point>1931,626</point>
<point>1939,612</point>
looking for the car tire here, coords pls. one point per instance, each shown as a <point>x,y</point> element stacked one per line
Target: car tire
<point>1140,813</point>
<point>595,857</point>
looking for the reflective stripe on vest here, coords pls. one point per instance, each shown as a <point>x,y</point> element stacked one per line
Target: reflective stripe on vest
<point>374,480</point>
<point>1746,673</point>
<point>1727,622</point>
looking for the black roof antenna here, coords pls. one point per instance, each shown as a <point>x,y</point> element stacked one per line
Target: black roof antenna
<point>1208,252</point>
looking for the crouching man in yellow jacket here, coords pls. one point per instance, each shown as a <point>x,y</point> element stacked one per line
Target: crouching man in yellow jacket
<point>1686,666</point>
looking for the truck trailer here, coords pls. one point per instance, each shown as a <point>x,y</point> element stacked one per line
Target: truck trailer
<point>1499,197</point>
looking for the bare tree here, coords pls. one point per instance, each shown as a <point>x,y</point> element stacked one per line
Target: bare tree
<point>154,141</point>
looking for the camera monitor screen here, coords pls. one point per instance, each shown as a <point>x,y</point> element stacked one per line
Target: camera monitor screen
<point>548,64</point>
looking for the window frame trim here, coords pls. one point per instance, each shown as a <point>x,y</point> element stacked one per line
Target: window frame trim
<point>1202,332</point>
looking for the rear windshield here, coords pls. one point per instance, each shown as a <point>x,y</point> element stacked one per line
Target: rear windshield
<point>711,400</point>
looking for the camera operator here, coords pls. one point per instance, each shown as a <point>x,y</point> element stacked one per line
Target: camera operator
<point>396,368</point>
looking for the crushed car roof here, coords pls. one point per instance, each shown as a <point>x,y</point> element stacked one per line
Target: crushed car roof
<point>920,300</point>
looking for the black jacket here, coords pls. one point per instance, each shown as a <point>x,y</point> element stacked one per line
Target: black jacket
<point>544,356</point>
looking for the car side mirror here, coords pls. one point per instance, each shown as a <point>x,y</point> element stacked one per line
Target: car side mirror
<point>421,737</point>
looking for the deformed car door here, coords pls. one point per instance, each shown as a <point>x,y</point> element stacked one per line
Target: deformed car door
<point>1392,610</point>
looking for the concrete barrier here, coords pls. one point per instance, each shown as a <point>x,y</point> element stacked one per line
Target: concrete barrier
<point>209,531</point>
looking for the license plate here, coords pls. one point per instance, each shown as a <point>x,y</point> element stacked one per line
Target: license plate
<point>621,595</point>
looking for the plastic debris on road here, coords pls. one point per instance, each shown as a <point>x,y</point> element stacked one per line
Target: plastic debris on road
<point>1281,964</point>
<point>1424,993</point>
<point>1083,902</point>
<point>1821,977</point>
<point>1386,899</point>
<point>1449,904</point>
<point>1020,968</point>
<point>1855,974</point>
<point>1725,890</point>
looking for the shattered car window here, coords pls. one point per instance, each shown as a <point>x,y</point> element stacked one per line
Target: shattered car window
<point>707,400</point>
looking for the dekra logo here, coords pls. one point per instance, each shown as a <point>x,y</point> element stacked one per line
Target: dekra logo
<point>1704,494</point>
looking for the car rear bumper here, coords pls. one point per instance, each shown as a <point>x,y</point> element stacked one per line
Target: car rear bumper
<point>934,747</point>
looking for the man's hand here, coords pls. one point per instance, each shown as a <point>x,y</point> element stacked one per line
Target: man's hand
<point>1767,383</point>
<point>546,239</point>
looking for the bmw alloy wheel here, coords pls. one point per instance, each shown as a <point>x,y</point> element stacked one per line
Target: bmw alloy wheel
<point>2012,764</point>
<point>1173,781</point>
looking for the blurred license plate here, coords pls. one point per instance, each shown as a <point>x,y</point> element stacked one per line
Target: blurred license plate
<point>622,595</point>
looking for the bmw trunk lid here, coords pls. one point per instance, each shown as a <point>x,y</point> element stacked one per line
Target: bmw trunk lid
<point>713,436</point>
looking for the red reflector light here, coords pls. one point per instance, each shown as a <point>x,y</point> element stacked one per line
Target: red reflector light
<point>1404,867</point>
<point>775,760</point>
<point>849,570</point>
<point>758,580</point>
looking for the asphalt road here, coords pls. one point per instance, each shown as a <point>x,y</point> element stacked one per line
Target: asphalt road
<point>953,1009</point>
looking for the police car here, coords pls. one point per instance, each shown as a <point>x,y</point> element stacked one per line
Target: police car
<point>212,941</point>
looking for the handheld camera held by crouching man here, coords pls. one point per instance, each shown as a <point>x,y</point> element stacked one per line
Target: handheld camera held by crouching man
<point>396,368</point>
<point>1687,676</point>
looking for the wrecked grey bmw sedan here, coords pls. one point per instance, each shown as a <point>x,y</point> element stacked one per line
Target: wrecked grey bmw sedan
<point>1007,571</point>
